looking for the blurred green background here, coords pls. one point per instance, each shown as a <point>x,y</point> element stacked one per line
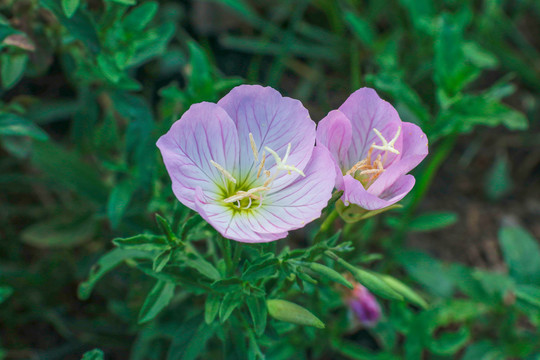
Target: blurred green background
<point>88,86</point>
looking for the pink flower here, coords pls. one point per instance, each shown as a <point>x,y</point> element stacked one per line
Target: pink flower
<point>364,306</point>
<point>373,150</point>
<point>248,164</point>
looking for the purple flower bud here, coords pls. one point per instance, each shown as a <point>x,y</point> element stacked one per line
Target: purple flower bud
<point>364,306</point>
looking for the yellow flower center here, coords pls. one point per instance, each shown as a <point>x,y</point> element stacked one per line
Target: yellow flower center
<point>368,170</point>
<point>242,199</point>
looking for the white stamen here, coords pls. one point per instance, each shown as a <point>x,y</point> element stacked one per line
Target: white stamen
<point>387,146</point>
<point>280,164</point>
<point>254,147</point>
<point>223,171</point>
<point>251,194</point>
<point>261,166</point>
<point>287,153</point>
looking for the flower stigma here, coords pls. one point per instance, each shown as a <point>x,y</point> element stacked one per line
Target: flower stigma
<point>244,199</point>
<point>368,170</point>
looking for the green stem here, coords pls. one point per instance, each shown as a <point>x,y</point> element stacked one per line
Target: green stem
<point>226,249</point>
<point>328,221</point>
<point>237,254</point>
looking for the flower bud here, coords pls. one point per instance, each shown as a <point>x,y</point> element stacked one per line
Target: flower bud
<point>364,306</point>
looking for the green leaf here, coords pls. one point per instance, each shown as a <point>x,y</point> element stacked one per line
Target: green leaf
<point>12,68</point>
<point>452,71</point>
<point>60,232</point>
<point>70,6</point>
<point>189,225</point>
<point>200,79</point>
<point>330,274</point>
<point>229,303</point>
<point>139,144</point>
<point>108,68</point>
<point>394,84</point>
<point>529,294</point>
<point>6,30</point>
<point>458,311</point>
<point>166,228</point>
<point>158,299</point>
<point>124,2</point>
<point>409,294</point>
<point>228,285</point>
<point>211,307</point>
<point>262,270</point>
<point>287,311</point>
<point>95,354</point>
<point>202,266</point>
<point>258,311</point>
<point>470,111</point>
<point>479,56</point>
<point>484,350</point>
<point>190,340</point>
<point>5,292</point>
<point>105,264</point>
<point>69,170</point>
<point>81,26</point>
<point>152,43</point>
<point>360,28</point>
<point>119,201</point>
<point>521,253</point>
<point>431,273</point>
<point>142,242</point>
<point>161,260</point>
<point>449,342</point>
<point>14,125</point>
<point>432,221</point>
<point>138,18</point>
<point>498,182</point>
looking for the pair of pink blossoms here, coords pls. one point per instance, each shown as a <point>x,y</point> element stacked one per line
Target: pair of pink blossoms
<point>250,167</point>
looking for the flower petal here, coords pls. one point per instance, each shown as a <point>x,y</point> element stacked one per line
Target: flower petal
<point>366,111</point>
<point>414,150</point>
<point>355,193</point>
<point>235,225</point>
<point>275,122</point>
<point>334,132</point>
<point>301,202</point>
<point>205,132</point>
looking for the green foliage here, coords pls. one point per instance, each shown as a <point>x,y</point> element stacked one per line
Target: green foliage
<point>521,252</point>
<point>89,86</point>
<point>95,354</point>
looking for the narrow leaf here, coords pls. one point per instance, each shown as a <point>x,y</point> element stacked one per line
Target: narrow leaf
<point>105,264</point>
<point>211,307</point>
<point>158,298</point>
<point>258,311</point>
<point>70,6</point>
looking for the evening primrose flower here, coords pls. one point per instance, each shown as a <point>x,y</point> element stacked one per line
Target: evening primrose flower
<point>373,150</point>
<point>248,164</point>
